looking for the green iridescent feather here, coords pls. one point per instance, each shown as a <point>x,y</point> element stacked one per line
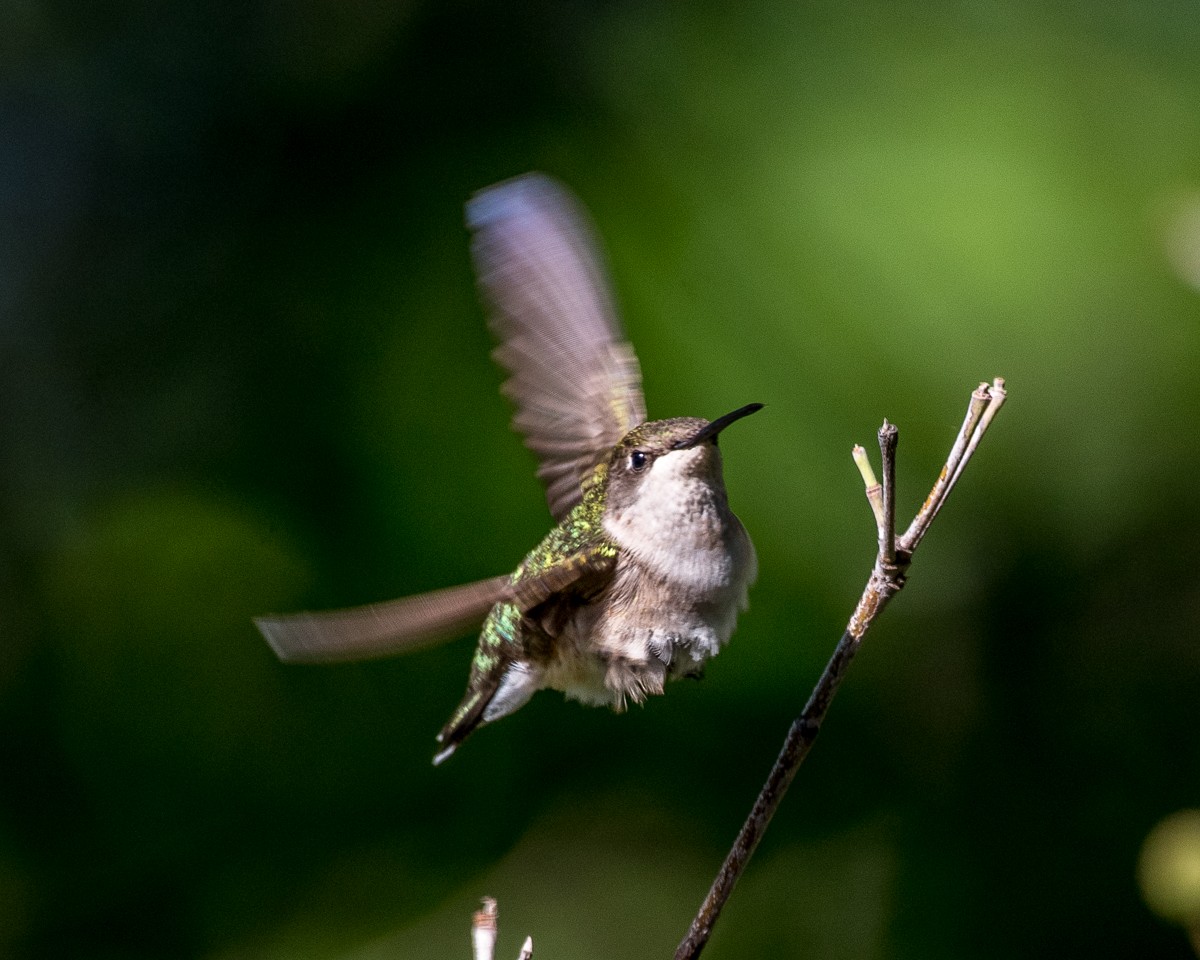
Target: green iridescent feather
<point>574,557</point>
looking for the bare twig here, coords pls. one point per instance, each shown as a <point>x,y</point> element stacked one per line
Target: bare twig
<point>484,931</point>
<point>985,404</point>
<point>886,580</point>
<point>889,436</point>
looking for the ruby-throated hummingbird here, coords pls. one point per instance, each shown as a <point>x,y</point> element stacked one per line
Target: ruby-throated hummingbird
<point>643,577</point>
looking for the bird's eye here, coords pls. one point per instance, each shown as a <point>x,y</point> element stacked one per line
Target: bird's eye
<point>638,460</point>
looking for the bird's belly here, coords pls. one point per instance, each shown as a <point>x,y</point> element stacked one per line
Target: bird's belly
<point>681,636</point>
<point>627,648</point>
<point>579,674</point>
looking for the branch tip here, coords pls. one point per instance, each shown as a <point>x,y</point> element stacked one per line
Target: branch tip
<point>483,929</point>
<point>986,401</point>
<point>863,462</point>
<point>889,436</point>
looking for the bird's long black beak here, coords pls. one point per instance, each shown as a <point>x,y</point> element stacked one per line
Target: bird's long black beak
<point>710,430</point>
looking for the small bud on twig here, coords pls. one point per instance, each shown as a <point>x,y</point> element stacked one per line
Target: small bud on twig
<point>874,490</point>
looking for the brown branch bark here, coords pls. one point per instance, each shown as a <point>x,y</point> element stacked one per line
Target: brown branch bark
<point>886,580</point>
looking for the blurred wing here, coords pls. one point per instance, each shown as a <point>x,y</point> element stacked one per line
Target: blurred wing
<point>574,377</point>
<point>382,629</point>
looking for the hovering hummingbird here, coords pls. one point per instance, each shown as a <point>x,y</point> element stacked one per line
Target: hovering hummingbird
<point>644,575</point>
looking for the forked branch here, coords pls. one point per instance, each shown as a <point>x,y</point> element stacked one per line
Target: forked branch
<point>886,580</point>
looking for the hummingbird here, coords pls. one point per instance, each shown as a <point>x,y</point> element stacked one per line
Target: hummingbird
<point>644,574</point>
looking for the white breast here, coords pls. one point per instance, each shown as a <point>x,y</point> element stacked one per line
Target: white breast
<point>680,527</point>
<point>685,569</point>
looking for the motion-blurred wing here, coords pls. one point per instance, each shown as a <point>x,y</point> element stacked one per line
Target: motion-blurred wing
<point>574,377</point>
<point>382,629</point>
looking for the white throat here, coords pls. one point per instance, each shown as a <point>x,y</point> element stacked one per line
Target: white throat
<point>679,526</point>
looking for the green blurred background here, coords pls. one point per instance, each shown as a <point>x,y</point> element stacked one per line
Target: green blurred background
<point>244,370</point>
